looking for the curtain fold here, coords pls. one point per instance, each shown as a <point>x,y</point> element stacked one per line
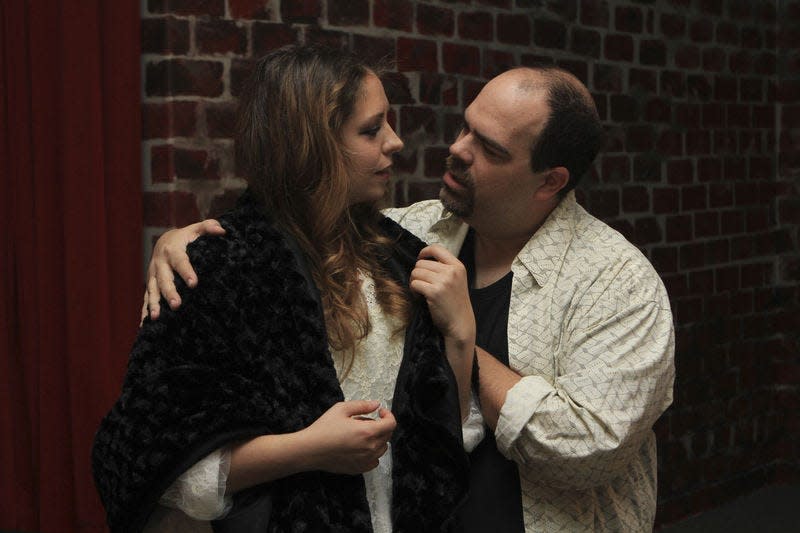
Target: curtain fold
<point>71,245</point>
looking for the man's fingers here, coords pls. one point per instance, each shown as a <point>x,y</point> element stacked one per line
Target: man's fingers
<point>184,269</point>
<point>210,227</point>
<point>152,298</point>
<point>166,285</point>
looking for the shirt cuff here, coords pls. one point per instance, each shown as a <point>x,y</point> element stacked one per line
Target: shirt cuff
<point>200,491</point>
<point>472,429</point>
<point>522,401</point>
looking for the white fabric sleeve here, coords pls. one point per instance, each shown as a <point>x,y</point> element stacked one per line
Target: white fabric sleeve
<point>583,429</point>
<point>200,491</point>
<point>472,429</point>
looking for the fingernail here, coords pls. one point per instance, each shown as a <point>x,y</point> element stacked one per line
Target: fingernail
<point>173,302</point>
<point>192,281</point>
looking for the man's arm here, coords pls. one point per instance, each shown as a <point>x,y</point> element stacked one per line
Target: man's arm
<point>587,424</point>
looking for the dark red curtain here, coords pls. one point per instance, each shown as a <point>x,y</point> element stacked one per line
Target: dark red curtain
<point>71,245</point>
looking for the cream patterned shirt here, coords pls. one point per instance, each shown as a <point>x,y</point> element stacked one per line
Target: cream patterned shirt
<point>590,331</point>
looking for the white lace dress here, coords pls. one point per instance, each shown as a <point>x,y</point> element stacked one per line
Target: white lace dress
<point>199,494</point>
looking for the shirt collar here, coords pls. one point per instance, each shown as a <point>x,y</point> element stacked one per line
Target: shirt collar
<point>541,255</point>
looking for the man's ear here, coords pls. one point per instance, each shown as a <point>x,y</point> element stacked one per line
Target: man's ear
<point>555,179</point>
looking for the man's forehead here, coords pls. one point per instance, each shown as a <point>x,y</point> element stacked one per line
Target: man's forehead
<point>508,116</point>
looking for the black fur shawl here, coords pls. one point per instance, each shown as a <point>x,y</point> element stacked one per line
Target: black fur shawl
<point>246,355</point>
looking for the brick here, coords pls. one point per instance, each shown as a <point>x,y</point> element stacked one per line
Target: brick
<point>646,231</point>
<point>393,14</point>
<point>666,200</point>
<point>751,37</point>
<point>578,68</point>
<point>694,198</point>
<point>709,169</point>
<point>221,120</point>
<point>624,108</point>
<point>619,47</point>
<point>495,62</point>
<point>670,142</point>
<point>348,12</point>
<point>706,224</point>
<point>431,86</point>
<point>725,88</point>
<point>169,119</point>
<point>208,8</point>
<point>397,87</point>
<point>432,20</point>
<point>680,172</point>
<point>635,199</point>
<point>375,50</point>
<point>405,161</point>
<point>513,29</point>
<point>657,110</point>
<point>718,251</point>
<point>416,54</point>
<point>701,281</point>
<point>223,202</point>
<point>765,64</point>
<point>269,36</point>
<point>726,279</point>
<point>672,25</point>
<point>714,59</point>
<point>639,138</point>
<point>418,122</point>
<point>241,69</point>
<point>331,38</point>
<point>549,34</point>
<point>604,204</point>
<point>679,228</point>
<point>698,142</point>
<point>585,42</point>
<point>720,195</point>
<point>608,78</point>
<point>647,168</point>
<point>169,162</point>
<point>713,115</point>
<point>477,25</point>
<point>688,116</point>
<point>652,52</point>
<point>595,13</point>
<point>738,115</point>
<point>220,37</point>
<point>601,103</point>
<point>673,84</point>
<point>643,79</point>
<point>504,4</point>
<point>183,77</point>
<point>751,90</point>
<point>461,59</point>
<point>687,57</point>
<point>469,90</point>
<point>258,9</point>
<point>629,19</point>
<point>665,259</point>
<point>170,209</point>
<point>701,31</point>
<point>425,190</point>
<point>691,255</point>
<point>727,33</point>
<point>616,169</point>
<point>165,35</point>
<point>434,161</point>
<point>740,62</point>
<point>699,87</point>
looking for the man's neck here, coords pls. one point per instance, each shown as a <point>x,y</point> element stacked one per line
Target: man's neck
<point>497,246</point>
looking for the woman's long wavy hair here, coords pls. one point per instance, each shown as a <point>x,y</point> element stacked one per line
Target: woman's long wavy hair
<point>289,142</point>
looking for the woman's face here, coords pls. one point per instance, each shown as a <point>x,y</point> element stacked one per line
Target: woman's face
<point>369,142</point>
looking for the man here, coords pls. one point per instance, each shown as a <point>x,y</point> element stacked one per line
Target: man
<point>574,324</point>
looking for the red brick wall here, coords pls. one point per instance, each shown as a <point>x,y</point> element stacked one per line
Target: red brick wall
<point>701,169</point>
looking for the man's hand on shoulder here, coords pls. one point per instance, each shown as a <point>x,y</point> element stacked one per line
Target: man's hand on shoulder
<point>169,256</point>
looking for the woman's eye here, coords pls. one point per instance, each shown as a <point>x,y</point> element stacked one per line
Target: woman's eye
<point>371,132</point>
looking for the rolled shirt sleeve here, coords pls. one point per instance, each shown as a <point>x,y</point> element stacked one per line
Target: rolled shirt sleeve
<point>616,379</point>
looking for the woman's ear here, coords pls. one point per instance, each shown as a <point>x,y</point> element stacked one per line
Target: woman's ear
<point>555,179</point>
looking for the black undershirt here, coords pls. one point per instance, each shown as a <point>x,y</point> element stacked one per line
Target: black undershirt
<point>495,501</point>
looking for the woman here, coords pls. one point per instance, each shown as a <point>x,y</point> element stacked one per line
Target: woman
<point>304,303</point>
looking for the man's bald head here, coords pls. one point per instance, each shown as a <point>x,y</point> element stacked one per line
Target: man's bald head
<point>572,134</point>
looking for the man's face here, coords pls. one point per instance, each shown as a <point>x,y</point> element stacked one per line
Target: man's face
<point>488,170</point>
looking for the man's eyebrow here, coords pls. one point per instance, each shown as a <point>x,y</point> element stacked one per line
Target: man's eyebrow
<point>494,145</point>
